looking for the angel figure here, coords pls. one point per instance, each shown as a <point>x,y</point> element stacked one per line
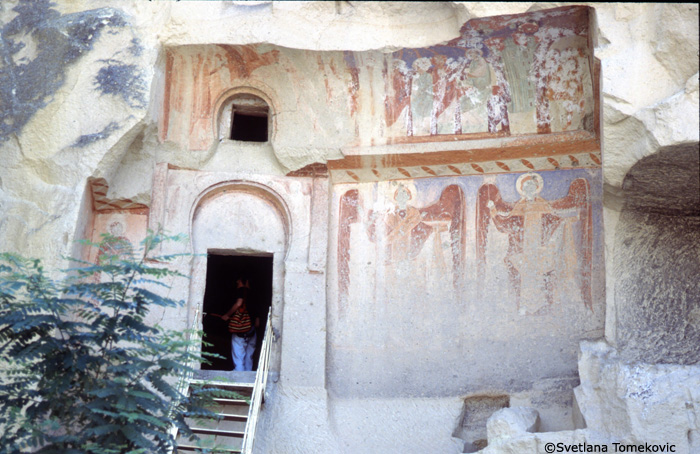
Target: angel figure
<point>404,231</point>
<point>549,242</point>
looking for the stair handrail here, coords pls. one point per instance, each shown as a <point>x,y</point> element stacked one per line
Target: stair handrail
<point>186,378</point>
<point>259,388</point>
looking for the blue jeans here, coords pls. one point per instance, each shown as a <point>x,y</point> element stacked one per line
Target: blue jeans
<point>242,349</point>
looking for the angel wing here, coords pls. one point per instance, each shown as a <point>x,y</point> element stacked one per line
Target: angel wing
<point>451,207</point>
<point>579,199</point>
<point>398,93</point>
<point>348,215</point>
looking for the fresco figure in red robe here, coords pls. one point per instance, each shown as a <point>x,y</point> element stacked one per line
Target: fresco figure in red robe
<point>404,232</point>
<point>549,242</point>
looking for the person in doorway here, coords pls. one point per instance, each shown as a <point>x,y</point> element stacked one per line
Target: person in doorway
<point>242,324</point>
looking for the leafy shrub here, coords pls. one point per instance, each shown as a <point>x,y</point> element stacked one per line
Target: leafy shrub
<point>81,370</point>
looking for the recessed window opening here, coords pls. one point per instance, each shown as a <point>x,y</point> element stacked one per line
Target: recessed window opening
<point>250,119</point>
<point>249,127</point>
<point>223,271</point>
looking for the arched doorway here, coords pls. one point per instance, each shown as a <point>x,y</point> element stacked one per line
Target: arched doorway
<point>238,229</point>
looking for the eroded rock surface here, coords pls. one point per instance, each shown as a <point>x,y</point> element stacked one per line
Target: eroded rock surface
<point>629,403</point>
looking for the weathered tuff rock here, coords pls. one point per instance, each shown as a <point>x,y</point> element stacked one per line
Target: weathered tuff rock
<point>637,401</point>
<point>512,422</point>
<point>620,402</point>
<point>74,87</point>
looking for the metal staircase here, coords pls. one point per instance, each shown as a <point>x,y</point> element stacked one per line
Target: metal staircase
<point>234,429</point>
<point>225,435</point>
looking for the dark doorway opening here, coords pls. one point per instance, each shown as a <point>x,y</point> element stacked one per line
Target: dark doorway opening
<point>222,273</point>
<point>249,127</point>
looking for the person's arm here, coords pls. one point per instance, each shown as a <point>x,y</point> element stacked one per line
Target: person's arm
<point>233,309</point>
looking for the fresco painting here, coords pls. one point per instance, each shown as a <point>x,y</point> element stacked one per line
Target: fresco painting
<point>412,244</point>
<point>125,229</point>
<point>518,244</point>
<point>508,75</point>
<point>404,234</point>
<point>549,241</point>
<point>123,220</point>
<point>195,78</point>
<point>441,270</point>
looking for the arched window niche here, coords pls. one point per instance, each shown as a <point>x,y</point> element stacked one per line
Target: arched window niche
<point>246,117</point>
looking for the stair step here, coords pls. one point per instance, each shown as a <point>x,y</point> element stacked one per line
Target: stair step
<point>225,376</point>
<point>245,390</point>
<point>238,384</point>
<point>208,440</point>
<point>228,386</point>
<point>229,422</point>
<point>224,401</point>
<point>225,435</point>
<point>217,432</point>
<point>223,417</point>
<point>195,448</point>
<point>241,391</point>
<point>229,409</point>
<point>231,417</point>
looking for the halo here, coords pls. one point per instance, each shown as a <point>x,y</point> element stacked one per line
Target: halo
<point>116,228</point>
<point>529,176</point>
<point>396,193</point>
<point>529,28</point>
<point>471,50</point>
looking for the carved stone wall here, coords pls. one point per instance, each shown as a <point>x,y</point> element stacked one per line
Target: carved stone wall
<point>447,272</point>
<point>657,261</point>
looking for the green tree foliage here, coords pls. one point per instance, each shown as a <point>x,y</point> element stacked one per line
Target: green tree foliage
<point>82,369</point>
